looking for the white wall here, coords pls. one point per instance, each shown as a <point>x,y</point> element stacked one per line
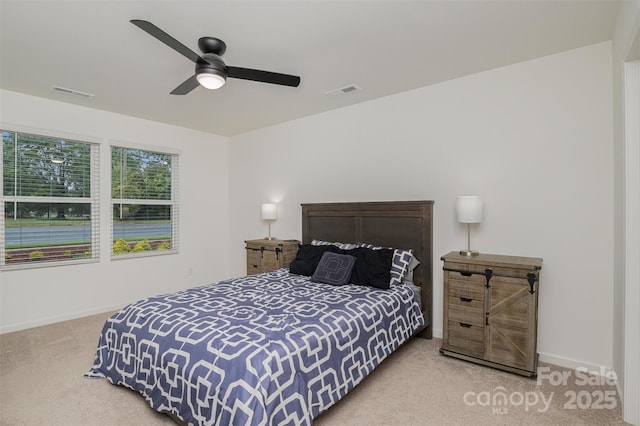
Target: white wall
<point>534,139</point>
<point>43,295</point>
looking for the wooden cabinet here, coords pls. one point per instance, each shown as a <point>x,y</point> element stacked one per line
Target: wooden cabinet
<point>268,255</point>
<point>491,310</point>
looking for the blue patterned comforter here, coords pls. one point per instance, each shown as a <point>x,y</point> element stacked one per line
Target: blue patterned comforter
<point>267,349</point>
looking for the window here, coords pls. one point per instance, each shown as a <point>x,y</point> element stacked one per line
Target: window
<point>144,202</point>
<point>50,200</point>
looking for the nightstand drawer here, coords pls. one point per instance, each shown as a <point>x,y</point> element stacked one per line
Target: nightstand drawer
<point>465,302</point>
<point>254,261</point>
<point>466,338</point>
<point>465,312</point>
<point>253,268</point>
<point>466,285</point>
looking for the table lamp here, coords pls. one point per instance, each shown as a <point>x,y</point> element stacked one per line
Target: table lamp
<point>469,210</point>
<point>269,213</point>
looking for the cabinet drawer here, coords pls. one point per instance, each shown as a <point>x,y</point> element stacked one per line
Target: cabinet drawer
<point>466,338</point>
<point>465,302</point>
<point>254,257</point>
<point>466,285</point>
<point>253,269</point>
<point>465,312</point>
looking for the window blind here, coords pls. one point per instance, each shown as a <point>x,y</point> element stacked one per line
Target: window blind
<point>144,198</point>
<point>50,196</point>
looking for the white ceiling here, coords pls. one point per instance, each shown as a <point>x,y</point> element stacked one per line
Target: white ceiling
<point>384,47</point>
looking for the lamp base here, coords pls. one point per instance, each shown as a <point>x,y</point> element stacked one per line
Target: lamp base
<point>270,238</point>
<point>469,253</point>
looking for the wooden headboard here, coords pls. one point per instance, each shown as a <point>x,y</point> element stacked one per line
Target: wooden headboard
<point>399,224</point>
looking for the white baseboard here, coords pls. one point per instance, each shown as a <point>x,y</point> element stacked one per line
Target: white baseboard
<point>602,370</point>
<point>59,318</point>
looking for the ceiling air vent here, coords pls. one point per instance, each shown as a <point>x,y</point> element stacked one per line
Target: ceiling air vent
<point>343,91</point>
<point>72,92</point>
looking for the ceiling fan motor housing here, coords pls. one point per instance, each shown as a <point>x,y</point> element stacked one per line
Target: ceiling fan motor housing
<point>213,65</point>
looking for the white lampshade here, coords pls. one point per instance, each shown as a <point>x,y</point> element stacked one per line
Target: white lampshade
<point>269,211</point>
<point>210,80</point>
<point>469,208</point>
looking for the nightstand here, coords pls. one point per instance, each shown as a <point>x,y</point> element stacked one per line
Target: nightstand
<point>268,255</point>
<point>491,310</point>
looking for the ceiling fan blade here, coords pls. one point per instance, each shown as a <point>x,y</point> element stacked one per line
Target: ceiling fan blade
<point>168,40</point>
<point>186,86</point>
<point>263,76</point>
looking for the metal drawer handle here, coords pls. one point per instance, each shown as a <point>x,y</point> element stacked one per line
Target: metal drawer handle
<point>465,325</point>
<point>465,299</point>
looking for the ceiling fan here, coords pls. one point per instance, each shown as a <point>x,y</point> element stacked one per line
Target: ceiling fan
<point>211,71</point>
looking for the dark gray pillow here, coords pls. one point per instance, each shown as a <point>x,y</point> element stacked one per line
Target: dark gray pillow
<point>334,269</point>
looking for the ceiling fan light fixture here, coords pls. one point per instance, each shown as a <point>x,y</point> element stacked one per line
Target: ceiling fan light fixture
<point>211,79</point>
<point>211,71</point>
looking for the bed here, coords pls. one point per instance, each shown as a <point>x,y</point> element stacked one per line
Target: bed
<point>278,347</point>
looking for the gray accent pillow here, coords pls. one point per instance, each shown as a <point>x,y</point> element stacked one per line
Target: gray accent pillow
<point>334,269</point>
<point>413,264</point>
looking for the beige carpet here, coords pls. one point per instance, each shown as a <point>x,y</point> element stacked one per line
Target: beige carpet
<point>41,383</point>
